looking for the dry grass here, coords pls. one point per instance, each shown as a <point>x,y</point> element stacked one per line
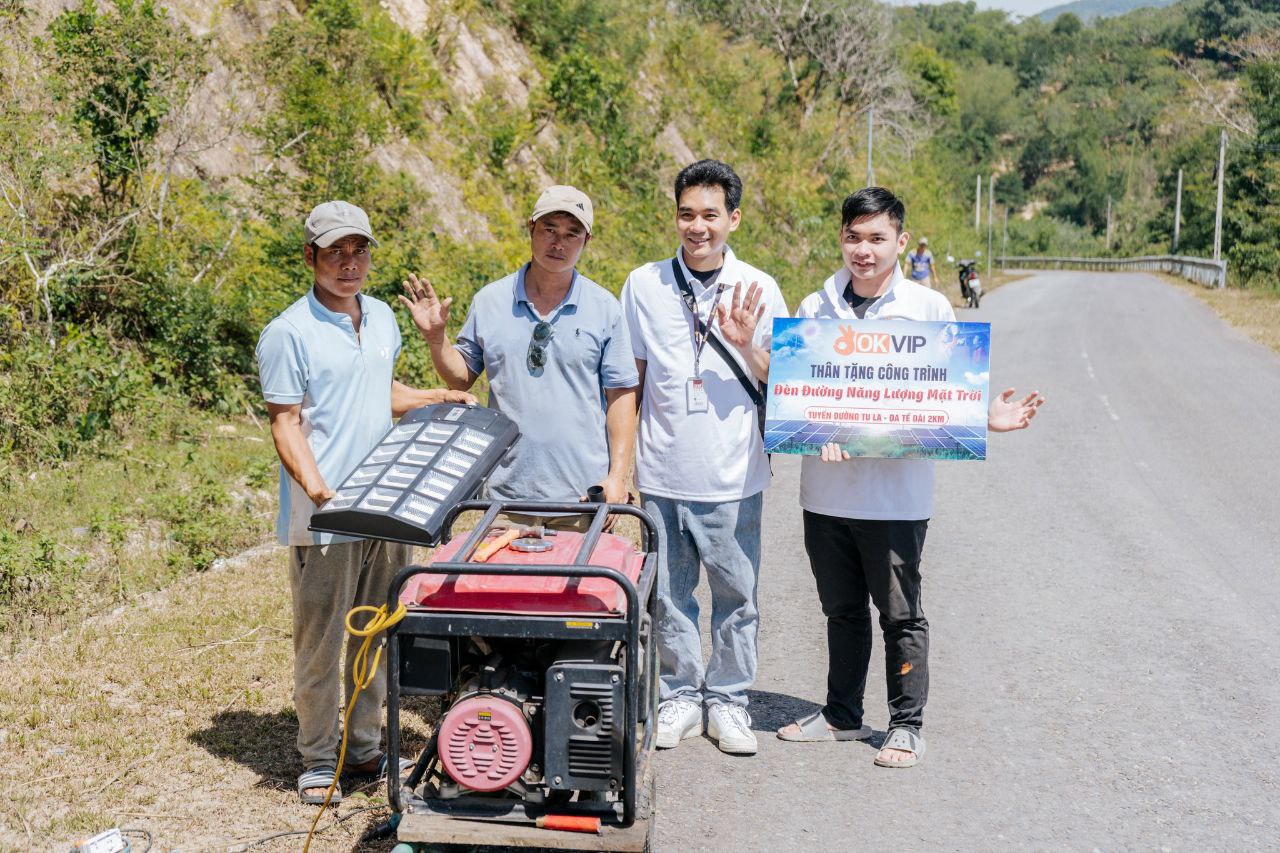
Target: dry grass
<point>1256,313</point>
<point>173,715</point>
<point>997,279</point>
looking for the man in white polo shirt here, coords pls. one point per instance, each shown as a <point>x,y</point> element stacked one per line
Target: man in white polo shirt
<point>326,366</point>
<point>865,519</point>
<point>701,326</point>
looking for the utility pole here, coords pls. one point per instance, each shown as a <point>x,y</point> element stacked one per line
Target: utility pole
<point>1177,214</point>
<point>871,181</point>
<point>1217,217</point>
<point>1004,238</point>
<point>1108,223</point>
<point>991,200</point>
<point>977,207</point>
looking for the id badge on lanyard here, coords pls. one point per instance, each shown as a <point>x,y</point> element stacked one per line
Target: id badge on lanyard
<point>695,392</point>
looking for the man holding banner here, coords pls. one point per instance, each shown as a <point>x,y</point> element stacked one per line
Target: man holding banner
<point>865,519</point>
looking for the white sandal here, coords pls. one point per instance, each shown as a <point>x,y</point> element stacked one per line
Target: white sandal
<point>318,777</point>
<point>814,729</point>
<point>906,740</point>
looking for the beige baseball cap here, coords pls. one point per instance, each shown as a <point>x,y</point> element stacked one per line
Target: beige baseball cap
<point>333,220</point>
<point>564,199</point>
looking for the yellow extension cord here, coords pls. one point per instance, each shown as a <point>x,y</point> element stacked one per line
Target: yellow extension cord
<point>361,677</point>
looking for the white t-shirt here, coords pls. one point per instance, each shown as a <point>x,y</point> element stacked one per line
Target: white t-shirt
<point>715,455</point>
<point>863,487</point>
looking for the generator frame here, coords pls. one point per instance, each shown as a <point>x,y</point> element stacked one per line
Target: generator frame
<point>635,630</point>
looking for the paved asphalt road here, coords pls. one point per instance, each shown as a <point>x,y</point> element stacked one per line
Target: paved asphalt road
<point>1104,596</point>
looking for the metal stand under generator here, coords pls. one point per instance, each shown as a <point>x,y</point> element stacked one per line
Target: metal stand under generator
<point>540,643</point>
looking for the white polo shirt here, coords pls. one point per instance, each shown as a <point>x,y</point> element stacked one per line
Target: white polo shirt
<point>716,455</point>
<point>864,487</point>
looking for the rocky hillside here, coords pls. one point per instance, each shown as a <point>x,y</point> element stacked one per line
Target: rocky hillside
<point>160,154</point>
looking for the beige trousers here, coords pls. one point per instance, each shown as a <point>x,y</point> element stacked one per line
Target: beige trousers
<point>577,523</point>
<point>326,582</point>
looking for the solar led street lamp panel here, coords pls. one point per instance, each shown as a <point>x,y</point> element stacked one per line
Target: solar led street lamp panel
<point>432,459</point>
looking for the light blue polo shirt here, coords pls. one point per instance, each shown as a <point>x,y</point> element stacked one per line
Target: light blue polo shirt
<point>560,408</point>
<point>311,355</point>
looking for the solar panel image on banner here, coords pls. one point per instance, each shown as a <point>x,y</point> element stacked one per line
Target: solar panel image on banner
<point>945,442</point>
<point>432,459</point>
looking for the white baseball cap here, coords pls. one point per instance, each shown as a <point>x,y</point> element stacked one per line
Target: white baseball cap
<point>333,220</point>
<point>564,199</point>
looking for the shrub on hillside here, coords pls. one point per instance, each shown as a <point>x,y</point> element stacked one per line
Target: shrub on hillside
<point>58,396</point>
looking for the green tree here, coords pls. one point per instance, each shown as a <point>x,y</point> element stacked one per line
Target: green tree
<point>933,80</point>
<point>989,109</point>
<point>120,72</point>
<point>1252,220</point>
<point>345,79</point>
<point>1197,156</point>
<point>1217,24</point>
<point>555,27</point>
<point>962,32</point>
<point>594,95</point>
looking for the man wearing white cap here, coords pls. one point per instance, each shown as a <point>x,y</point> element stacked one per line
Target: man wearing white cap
<point>326,365</point>
<point>555,347</point>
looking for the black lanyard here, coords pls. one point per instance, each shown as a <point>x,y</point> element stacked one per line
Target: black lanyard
<point>701,330</point>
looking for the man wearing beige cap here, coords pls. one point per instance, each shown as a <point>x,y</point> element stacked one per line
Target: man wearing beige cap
<point>326,367</point>
<point>556,351</point>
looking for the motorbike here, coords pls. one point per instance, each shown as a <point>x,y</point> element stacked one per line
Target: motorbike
<point>970,284</point>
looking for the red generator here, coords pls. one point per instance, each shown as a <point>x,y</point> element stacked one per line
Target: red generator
<point>541,645</point>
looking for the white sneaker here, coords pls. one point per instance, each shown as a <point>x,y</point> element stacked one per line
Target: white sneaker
<point>677,720</point>
<point>730,727</point>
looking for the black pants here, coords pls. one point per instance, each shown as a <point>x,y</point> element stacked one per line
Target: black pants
<point>853,561</point>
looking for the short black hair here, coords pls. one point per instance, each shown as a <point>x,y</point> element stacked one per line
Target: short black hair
<point>873,201</point>
<point>711,173</point>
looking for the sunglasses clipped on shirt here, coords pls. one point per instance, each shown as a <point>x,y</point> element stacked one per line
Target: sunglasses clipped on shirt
<point>538,345</point>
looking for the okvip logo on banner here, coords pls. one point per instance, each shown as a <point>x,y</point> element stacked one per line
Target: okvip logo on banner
<point>884,388</point>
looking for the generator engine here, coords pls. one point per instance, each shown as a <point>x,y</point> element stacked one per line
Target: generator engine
<point>541,648</point>
<point>569,695</point>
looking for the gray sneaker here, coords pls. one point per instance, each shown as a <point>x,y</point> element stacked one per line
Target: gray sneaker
<point>677,719</point>
<point>730,727</point>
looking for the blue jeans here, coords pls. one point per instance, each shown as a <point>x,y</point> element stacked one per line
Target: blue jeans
<point>725,538</point>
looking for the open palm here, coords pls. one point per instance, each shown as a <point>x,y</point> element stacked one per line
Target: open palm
<point>430,313</point>
<point>1006,415</point>
<point>738,319</point>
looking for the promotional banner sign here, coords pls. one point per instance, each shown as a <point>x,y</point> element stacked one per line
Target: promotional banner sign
<point>886,388</point>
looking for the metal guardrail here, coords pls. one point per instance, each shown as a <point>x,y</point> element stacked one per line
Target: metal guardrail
<point>1202,270</point>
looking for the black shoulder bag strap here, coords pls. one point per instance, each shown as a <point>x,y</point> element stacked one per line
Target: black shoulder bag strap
<point>754,391</point>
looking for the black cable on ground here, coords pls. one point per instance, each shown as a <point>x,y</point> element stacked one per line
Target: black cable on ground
<point>382,830</point>
<point>138,832</point>
<point>266,838</point>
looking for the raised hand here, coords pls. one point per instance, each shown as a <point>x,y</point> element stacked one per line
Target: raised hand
<point>430,314</point>
<point>1006,416</point>
<point>739,318</point>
